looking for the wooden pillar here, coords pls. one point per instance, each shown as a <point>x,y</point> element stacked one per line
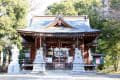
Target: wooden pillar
<point>73,48</point>
<point>44,47</point>
<point>85,52</point>
<point>40,42</point>
<point>82,46</point>
<point>86,55</point>
<point>33,50</point>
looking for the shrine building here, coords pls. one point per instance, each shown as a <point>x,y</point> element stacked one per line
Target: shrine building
<point>59,36</point>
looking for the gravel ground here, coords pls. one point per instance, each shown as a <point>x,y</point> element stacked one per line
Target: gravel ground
<point>59,76</point>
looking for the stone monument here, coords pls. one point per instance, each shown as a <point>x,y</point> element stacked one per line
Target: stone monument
<point>78,63</point>
<point>14,66</point>
<point>39,63</point>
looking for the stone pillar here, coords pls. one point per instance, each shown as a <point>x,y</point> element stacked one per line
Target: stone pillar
<point>78,63</point>
<point>39,63</point>
<point>14,66</point>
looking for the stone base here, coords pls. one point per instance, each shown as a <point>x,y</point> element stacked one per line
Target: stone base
<point>40,72</point>
<point>78,68</point>
<point>38,68</point>
<point>13,68</point>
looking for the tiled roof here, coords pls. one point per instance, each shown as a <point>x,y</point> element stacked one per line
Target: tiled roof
<point>79,24</point>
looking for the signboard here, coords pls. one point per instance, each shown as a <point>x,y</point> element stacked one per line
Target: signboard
<point>97,60</point>
<point>70,59</point>
<point>48,60</point>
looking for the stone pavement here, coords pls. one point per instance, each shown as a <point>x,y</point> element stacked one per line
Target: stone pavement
<point>59,76</point>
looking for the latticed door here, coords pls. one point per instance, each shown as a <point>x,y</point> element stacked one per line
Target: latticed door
<point>60,60</point>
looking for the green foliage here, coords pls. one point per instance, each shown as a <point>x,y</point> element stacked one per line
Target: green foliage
<point>86,7</point>
<point>109,43</point>
<point>115,4</point>
<point>66,7</point>
<point>14,12</point>
<point>74,7</point>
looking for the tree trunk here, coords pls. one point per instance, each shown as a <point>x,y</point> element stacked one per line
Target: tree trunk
<point>7,61</point>
<point>1,59</point>
<point>116,65</point>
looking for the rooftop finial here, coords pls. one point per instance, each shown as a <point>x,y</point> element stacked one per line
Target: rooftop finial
<point>61,14</point>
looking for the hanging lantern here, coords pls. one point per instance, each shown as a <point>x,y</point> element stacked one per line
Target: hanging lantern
<point>67,52</point>
<point>56,51</point>
<point>50,51</point>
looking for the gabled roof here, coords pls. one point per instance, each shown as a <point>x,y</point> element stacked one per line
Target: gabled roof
<point>53,24</point>
<point>59,22</point>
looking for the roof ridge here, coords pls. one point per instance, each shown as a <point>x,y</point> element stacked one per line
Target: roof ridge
<point>60,15</point>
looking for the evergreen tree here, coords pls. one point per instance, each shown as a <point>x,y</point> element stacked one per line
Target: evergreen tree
<point>12,17</point>
<point>66,7</point>
<point>109,43</point>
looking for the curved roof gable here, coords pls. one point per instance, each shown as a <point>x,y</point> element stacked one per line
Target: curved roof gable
<point>59,22</point>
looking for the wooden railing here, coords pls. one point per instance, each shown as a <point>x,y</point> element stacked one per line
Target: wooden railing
<point>28,65</point>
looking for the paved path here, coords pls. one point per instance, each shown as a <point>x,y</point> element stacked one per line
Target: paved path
<point>59,76</point>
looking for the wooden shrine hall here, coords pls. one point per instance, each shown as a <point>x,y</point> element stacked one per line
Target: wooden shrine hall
<point>59,36</point>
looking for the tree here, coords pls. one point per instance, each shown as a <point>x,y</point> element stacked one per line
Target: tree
<point>115,4</point>
<point>114,9</point>
<point>109,43</point>
<point>13,16</point>
<point>14,12</point>
<point>85,7</point>
<point>66,7</point>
